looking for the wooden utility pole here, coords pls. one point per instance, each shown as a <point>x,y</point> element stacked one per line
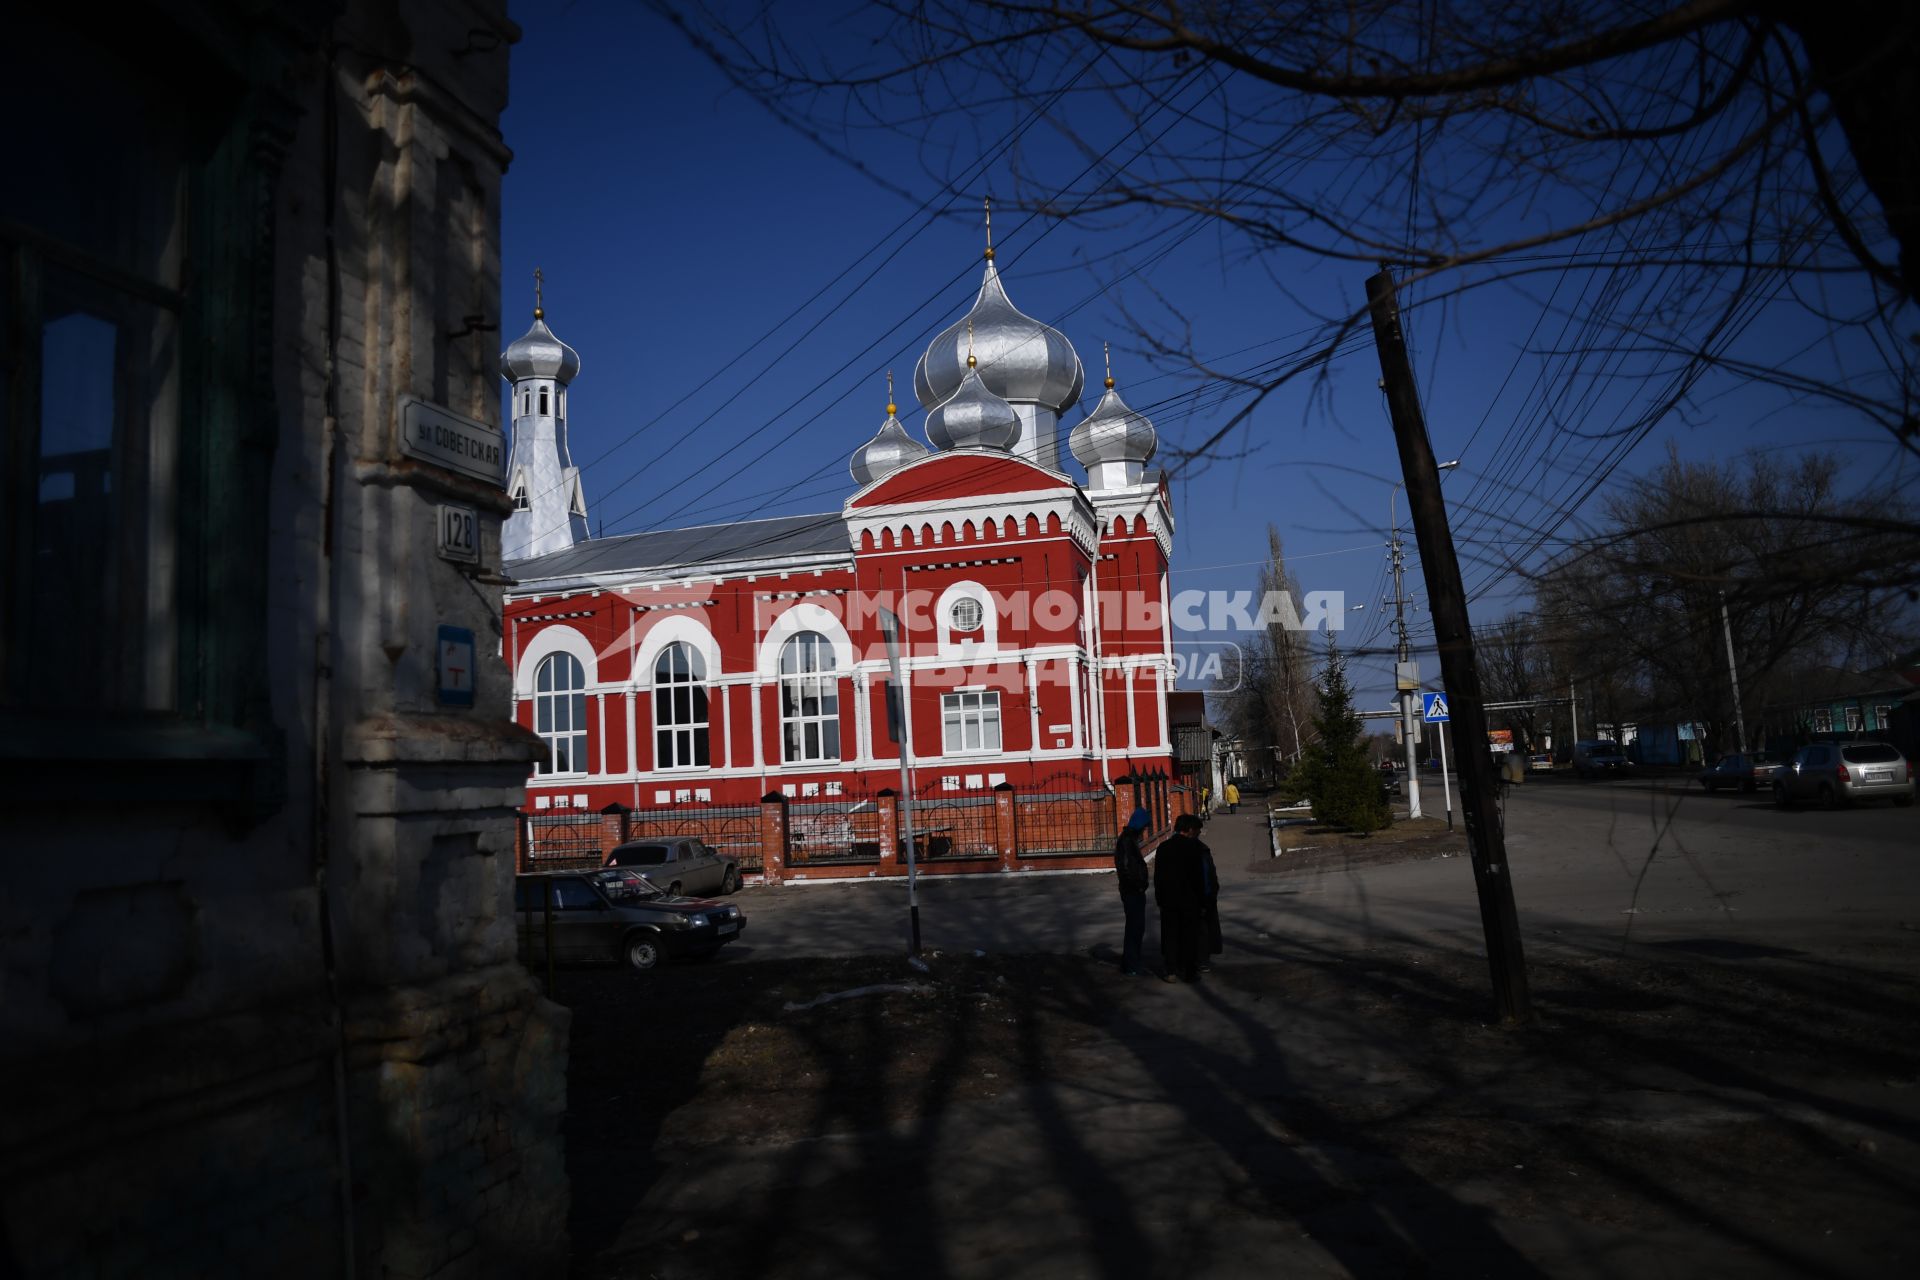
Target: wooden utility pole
<point>1447,603</point>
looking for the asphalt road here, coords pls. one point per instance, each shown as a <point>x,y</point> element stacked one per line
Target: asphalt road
<point>1610,867</point>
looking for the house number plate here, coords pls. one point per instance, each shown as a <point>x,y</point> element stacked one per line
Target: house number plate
<point>459,533</point>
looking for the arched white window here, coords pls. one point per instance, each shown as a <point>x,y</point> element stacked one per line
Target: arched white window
<point>809,699</point>
<point>680,708</point>
<point>560,714</point>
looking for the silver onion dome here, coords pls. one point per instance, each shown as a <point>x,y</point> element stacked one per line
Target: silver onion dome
<point>890,449</point>
<point>1019,357</point>
<point>538,354</point>
<point>1113,433</point>
<point>973,417</point>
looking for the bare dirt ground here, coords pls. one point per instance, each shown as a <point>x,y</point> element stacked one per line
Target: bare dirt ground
<point>1303,842</point>
<point>1299,1112</point>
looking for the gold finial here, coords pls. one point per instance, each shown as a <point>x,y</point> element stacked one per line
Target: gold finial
<point>539,312</point>
<point>970,361</point>
<point>1107,351</point>
<point>988,202</point>
<point>892,408</point>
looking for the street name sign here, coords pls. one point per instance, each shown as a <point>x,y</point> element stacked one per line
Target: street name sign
<point>446,439</point>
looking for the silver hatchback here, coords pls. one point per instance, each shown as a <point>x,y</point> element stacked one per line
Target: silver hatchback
<point>1834,773</point>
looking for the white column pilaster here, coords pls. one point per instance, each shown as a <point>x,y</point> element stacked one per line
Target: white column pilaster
<point>633,756</point>
<point>1033,706</point>
<point>759,736</point>
<point>1073,700</point>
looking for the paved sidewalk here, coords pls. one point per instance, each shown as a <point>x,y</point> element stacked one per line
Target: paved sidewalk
<point>1329,1101</point>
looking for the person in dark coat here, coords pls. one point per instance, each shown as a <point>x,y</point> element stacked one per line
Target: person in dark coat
<point>1211,908</point>
<point>1180,891</point>
<point>1130,872</point>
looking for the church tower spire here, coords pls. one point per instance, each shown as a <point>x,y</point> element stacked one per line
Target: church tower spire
<point>549,506</point>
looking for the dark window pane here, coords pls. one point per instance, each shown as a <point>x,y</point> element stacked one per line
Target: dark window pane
<point>1869,753</point>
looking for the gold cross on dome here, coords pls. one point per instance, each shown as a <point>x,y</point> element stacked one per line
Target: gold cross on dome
<point>538,309</point>
<point>987,203</point>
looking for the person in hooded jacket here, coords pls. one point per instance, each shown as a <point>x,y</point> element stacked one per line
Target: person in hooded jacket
<point>1130,872</point>
<point>1180,891</point>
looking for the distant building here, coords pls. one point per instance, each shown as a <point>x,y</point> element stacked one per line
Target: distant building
<point>261,1013</point>
<point>686,671</point>
<point>1835,704</point>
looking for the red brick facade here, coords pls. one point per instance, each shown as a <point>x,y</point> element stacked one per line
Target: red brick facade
<point>675,698</point>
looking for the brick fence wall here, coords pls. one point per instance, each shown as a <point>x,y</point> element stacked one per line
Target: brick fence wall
<point>859,837</point>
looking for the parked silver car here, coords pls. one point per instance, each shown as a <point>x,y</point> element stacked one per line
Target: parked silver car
<point>1835,773</point>
<point>1746,770</point>
<point>679,864</point>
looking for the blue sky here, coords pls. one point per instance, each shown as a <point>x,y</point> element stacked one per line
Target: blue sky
<point>682,233</point>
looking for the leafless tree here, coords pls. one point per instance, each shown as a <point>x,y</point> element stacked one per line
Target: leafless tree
<point>1763,553</point>
<point>1515,667</point>
<point>1669,173</point>
<point>1267,695</point>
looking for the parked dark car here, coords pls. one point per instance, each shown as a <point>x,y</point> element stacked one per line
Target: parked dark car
<point>1744,770</point>
<point>1831,774</point>
<point>601,917</point>
<point>1600,758</point>
<point>678,864</point>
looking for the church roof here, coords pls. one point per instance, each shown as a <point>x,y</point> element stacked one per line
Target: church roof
<point>700,546</point>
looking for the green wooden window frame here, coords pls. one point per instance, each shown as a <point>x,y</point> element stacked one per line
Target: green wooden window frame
<point>211,737</point>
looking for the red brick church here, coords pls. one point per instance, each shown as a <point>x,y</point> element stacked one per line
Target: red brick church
<point>732,681</point>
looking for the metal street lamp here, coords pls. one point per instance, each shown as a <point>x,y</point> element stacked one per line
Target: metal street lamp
<point>1400,625</point>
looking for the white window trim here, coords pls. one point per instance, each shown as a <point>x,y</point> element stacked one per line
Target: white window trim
<point>794,619</point>
<point>676,628</point>
<point>576,731</point>
<point>829,678</point>
<point>988,640</point>
<point>549,640</point>
<point>999,724</point>
<point>698,682</point>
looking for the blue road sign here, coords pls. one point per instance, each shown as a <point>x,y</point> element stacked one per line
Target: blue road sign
<point>1435,711</point>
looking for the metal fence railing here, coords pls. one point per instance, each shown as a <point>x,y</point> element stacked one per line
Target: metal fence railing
<point>848,829</point>
<point>563,841</point>
<point>954,824</point>
<point>1065,816</point>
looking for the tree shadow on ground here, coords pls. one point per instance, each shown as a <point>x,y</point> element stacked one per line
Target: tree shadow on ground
<point>1350,1111</point>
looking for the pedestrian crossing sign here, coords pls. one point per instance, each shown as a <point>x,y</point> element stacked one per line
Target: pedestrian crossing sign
<point>1436,708</point>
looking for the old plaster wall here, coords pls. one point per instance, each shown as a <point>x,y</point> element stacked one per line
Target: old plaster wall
<point>275,1044</point>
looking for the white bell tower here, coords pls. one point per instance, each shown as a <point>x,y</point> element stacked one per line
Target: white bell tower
<point>549,506</point>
